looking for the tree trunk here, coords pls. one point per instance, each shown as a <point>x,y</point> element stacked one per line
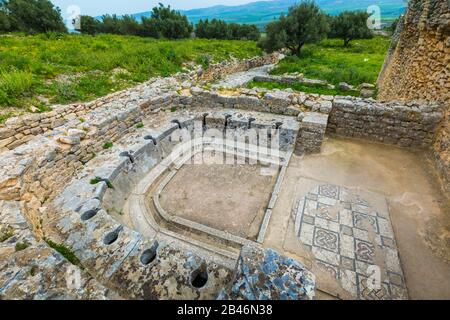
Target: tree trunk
<point>298,49</point>
<point>347,42</point>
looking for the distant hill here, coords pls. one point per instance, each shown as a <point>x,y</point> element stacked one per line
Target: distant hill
<point>263,12</point>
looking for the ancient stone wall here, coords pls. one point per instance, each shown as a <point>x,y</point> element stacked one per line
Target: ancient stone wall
<point>19,130</point>
<point>34,172</point>
<point>405,124</point>
<point>418,67</point>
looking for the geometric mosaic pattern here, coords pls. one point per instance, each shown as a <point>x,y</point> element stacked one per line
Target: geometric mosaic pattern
<point>351,241</point>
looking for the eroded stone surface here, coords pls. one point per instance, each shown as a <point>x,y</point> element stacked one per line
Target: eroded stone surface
<point>263,274</point>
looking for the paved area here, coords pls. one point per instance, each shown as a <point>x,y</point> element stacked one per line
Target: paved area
<point>391,182</point>
<point>240,79</point>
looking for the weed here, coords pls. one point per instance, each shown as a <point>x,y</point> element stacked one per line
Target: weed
<point>6,232</point>
<point>20,246</point>
<point>64,251</point>
<point>203,60</point>
<point>98,179</point>
<point>5,116</point>
<point>33,270</point>
<point>14,85</point>
<point>108,145</point>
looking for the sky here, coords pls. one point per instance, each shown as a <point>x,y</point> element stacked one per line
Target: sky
<point>99,7</point>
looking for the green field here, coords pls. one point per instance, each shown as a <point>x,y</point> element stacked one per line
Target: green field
<point>37,71</point>
<point>330,61</point>
<point>41,70</point>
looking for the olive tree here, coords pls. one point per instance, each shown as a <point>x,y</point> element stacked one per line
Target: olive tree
<point>33,16</point>
<point>305,23</point>
<point>350,25</point>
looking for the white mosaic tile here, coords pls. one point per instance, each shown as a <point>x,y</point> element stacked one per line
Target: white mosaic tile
<point>307,234</point>
<point>325,255</point>
<point>347,246</point>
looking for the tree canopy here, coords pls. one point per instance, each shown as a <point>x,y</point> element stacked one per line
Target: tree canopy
<point>30,16</point>
<point>350,25</point>
<point>219,29</point>
<point>170,24</point>
<point>163,23</point>
<point>304,23</point>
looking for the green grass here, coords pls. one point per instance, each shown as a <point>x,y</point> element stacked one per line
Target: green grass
<point>301,87</point>
<point>73,68</point>
<point>6,232</point>
<point>64,251</point>
<point>20,246</point>
<point>98,179</point>
<point>330,61</point>
<point>108,145</point>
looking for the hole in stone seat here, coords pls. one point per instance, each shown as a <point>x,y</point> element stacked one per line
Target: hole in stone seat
<point>227,116</point>
<point>199,277</point>
<point>149,255</point>
<point>111,237</point>
<point>176,121</point>
<point>89,214</point>
<point>149,137</point>
<point>250,120</point>
<point>128,155</point>
<point>204,119</point>
<point>278,125</point>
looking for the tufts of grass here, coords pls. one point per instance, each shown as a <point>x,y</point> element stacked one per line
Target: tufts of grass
<point>204,60</point>
<point>108,145</point>
<point>20,246</point>
<point>14,85</point>
<point>302,88</point>
<point>33,270</point>
<point>98,179</point>
<point>140,125</point>
<point>329,60</point>
<point>64,251</point>
<point>5,116</point>
<point>95,180</point>
<point>6,232</point>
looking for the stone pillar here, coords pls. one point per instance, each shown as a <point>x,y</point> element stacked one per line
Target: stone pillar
<point>311,133</point>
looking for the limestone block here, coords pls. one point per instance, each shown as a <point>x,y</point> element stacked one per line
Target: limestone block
<point>70,140</point>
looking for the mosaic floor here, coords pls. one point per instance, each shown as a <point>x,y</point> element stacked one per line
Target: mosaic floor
<point>352,241</point>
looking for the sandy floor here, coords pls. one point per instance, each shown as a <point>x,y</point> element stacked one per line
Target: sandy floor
<point>419,213</point>
<point>231,198</point>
